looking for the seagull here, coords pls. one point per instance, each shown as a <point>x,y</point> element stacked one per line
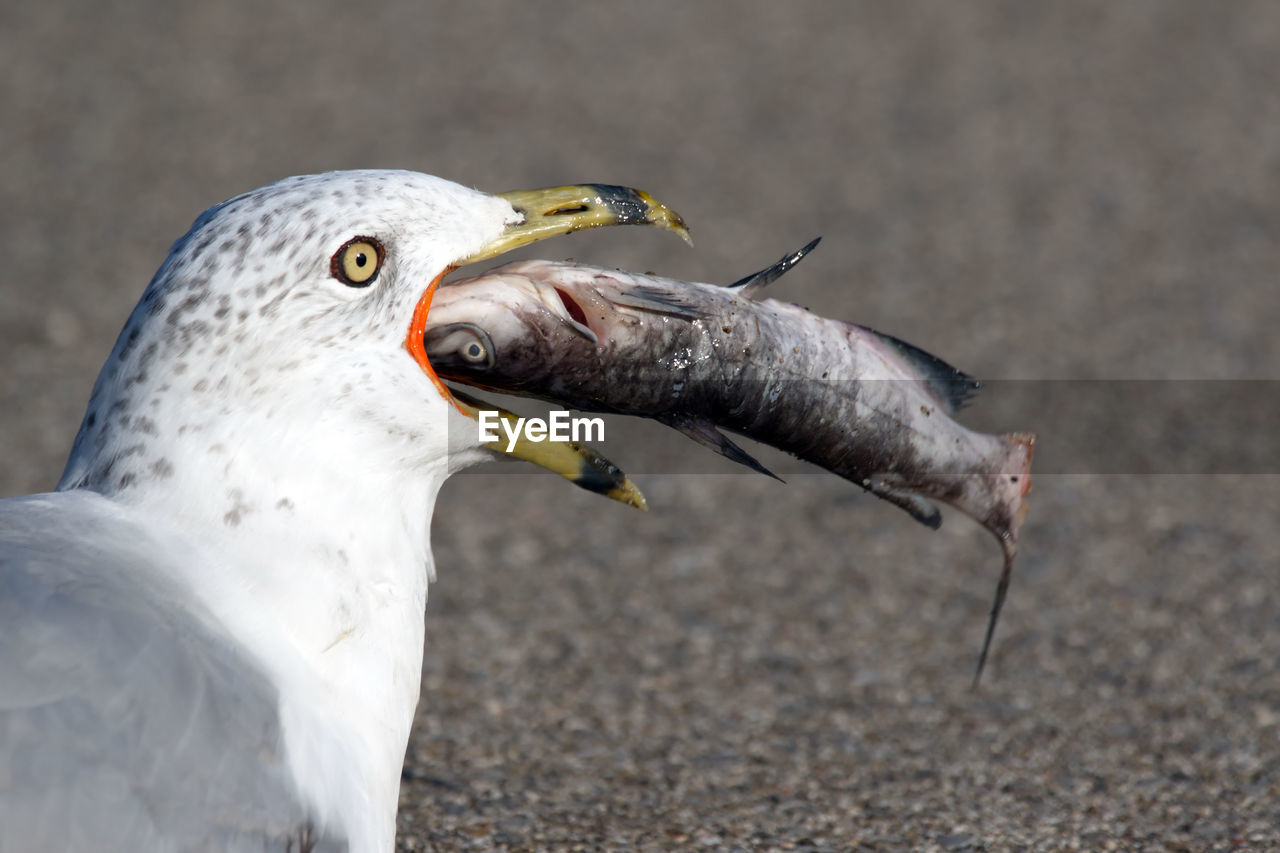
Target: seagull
<point>211,633</point>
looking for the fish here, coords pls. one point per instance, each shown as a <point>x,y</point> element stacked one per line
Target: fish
<point>865,405</point>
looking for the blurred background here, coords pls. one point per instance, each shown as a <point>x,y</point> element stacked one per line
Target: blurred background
<point>1060,195</point>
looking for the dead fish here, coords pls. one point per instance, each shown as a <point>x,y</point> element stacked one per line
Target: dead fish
<point>698,357</point>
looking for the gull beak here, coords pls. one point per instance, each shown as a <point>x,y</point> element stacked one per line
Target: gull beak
<point>561,210</point>
<point>547,213</point>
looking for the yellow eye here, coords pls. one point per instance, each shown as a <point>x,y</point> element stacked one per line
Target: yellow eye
<point>357,263</point>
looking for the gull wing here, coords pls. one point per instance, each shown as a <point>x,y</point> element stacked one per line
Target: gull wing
<point>128,719</point>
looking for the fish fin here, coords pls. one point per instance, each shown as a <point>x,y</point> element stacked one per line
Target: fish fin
<point>1002,589</point>
<point>951,386</point>
<point>706,434</point>
<point>757,281</point>
<point>921,509</point>
<point>658,301</point>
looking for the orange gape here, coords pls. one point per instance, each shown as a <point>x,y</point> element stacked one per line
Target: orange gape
<point>413,341</point>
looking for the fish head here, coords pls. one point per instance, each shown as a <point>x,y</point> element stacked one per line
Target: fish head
<point>513,328</point>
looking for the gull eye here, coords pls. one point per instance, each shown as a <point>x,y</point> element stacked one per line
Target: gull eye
<point>459,346</point>
<point>357,263</point>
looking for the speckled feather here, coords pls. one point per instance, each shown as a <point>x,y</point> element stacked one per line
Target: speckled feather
<point>217,325</point>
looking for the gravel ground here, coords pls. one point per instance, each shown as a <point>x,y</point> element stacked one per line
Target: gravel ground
<point>1078,191</point>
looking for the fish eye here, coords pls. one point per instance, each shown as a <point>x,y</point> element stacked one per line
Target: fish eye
<point>459,345</point>
<point>357,263</point>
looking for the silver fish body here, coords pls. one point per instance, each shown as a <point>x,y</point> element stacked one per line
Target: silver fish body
<point>867,406</point>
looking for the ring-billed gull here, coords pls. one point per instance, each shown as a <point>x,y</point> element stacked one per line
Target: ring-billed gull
<point>212,632</point>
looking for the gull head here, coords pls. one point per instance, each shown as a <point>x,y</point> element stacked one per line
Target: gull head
<point>282,334</point>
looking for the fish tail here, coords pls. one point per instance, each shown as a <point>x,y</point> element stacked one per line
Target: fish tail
<point>1013,483</point>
